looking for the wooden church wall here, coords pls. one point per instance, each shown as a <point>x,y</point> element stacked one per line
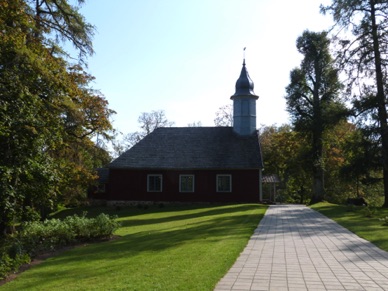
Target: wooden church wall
<point>131,185</point>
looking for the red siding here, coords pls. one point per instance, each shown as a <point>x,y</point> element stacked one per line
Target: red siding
<point>132,185</point>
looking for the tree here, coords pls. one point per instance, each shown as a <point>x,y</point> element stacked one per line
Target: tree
<point>195,124</point>
<point>362,164</point>
<point>312,99</point>
<point>224,116</point>
<point>284,154</point>
<point>48,112</point>
<point>57,21</point>
<point>341,149</point>
<point>364,57</point>
<point>85,117</point>
<point>148,122</point>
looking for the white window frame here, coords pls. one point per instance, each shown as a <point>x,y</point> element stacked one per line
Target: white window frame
<point>230,183</point>
<point>148,182</point>
<point>180,183</point>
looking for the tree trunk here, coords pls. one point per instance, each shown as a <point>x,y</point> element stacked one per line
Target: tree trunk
<point>317,146</point>
<point>318,172</point>
<point>382,111</point>
<point>318,185</point>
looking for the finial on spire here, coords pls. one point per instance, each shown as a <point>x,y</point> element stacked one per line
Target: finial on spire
<point>244,55</point>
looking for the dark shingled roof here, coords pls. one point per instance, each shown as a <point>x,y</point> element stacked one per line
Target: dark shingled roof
<point>193,148</point>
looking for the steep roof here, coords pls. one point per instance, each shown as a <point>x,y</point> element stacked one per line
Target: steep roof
<point>193,148</point>
<point>244,84</point>
<point>271,179</point>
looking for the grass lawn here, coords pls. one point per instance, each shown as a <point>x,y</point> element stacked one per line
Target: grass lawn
<point>355,219</point>
<point>169,248</point>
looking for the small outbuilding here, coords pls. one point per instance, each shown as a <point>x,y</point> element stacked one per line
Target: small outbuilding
<point>270,183</point>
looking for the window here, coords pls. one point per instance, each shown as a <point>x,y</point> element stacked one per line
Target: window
<point>245,108</point>
<point>224,183</point>
<point>101,188</point>
<point>154,183</point>
<point>186,183</point>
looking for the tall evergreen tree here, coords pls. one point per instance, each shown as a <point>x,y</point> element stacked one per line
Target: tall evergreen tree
<point>365,58</point>
<point>312,99</point>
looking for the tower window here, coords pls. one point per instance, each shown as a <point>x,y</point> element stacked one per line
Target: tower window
<point>245,107</point>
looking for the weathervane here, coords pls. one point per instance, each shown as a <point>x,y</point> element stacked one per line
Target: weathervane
<point>244,54</point>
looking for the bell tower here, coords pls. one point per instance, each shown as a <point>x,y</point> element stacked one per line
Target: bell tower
<point>244,104</point>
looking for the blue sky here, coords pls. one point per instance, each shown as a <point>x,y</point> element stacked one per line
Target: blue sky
<point>184,57</point>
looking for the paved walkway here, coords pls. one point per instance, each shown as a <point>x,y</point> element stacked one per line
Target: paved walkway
<point>296,248</point>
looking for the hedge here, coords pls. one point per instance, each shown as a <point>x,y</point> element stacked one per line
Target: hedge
<point>38,237</point>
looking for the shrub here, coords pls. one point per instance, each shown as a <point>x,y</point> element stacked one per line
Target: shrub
<point>39,237</point>
<point>103,226</point>
<point>369,211</point>
<point>80,226</point>
<point>9,264</point>
<point>44,236</point>
<point>384,220</point>
<point>85,229</point>
<point>12,256</point>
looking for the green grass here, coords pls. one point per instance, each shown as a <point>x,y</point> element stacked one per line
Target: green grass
<point>354,218</point>
<point>170,248</point>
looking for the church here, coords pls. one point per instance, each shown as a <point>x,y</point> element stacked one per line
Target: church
<point>193,164</point>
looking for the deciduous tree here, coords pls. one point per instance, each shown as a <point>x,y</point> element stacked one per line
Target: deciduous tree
<point>284,154</point>
<point>224,116</point>
<point>48,111</point>
<point>148,122</point>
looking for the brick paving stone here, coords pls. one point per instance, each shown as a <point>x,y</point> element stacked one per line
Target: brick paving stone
<point>297,248</point>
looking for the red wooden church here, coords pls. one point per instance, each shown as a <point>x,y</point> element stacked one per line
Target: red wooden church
<point>193,164</point>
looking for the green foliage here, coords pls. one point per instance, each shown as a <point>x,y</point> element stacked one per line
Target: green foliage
<point>38,237</point>
<point>84,228</point>
<point>313,100</point>
<point>384,220</point>
<point>285,153</point>
<point>49,114</point>
<point>369,211</point>
<point>53,233</point>
<point>362,55</point>
<point>9,264</point>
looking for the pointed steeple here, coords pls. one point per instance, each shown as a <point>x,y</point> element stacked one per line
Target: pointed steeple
<point>244,104</point>
<point>244,84</point>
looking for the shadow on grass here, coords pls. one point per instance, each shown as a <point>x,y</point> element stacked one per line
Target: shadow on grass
<point>154,209</point>
<point>355,219</point>
<point>159,239</point>
<point>201,211</point>
<point>206,225</point>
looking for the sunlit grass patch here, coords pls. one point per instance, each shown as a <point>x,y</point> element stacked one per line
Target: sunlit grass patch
<point>363,221</point>
<point>169,248</point>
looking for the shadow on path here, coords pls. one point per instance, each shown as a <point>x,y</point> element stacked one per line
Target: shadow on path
<point>297,248</point>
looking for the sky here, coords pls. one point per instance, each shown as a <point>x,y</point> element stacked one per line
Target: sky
<point>184,57</point>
